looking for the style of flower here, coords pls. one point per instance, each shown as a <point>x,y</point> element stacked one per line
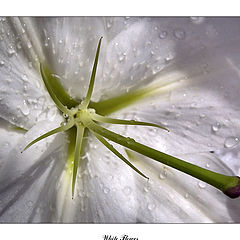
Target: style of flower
<point>36,183</point>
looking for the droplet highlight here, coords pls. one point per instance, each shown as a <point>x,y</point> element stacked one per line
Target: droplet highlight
<point>24,108</point>
<point>216,127</point>
<point>231,142</point>
<point>179,34</point>
<point>201,185</point>
<point>163,34</point>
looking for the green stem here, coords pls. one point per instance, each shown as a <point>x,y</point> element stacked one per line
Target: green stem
<point>217,180</point>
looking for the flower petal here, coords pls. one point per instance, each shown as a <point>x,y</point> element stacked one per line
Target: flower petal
<point>202,115</point>
<point>69,46</point>
<point>24,175</point>
<point>23,101</point>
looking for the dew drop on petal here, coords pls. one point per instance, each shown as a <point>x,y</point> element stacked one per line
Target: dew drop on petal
<point>11,51</point>
<point>106,190</point>
<point>201,185</point>
<point>24,78</point>
<point>127,191</point>
<point>109,24</point>
<point>231,142</point>
<point>216,127</point>
<point>29,203</point>
<point>169,58</point>
<point>24,108</point>
<point>151,206</point>
<point>2,63</point>
<point>163,34</point>
<point>163,175</point>
<point>186,195</point>
<point>122,57</point>
<point>5,145</point>
<point>179,34</point>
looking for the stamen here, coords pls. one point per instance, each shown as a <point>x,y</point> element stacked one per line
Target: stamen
<point>77,154</point>
<point>57,130</point>
<point>92,80</point>
<point>102,119</point>
<point>118,154</point>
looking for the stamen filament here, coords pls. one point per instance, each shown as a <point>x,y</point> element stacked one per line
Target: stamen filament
<point>86,101</point>
<point>102,119</point>
<point>118,154</point>
<point>77,154</point>
<point>54,131</point>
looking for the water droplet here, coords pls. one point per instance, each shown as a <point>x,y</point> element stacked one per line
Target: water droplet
<point>151,206</point>
<point>29,203</point>
<point>11,51</point>
<point>163,34</point>
<point>207,165</point>
<point>24,78</point>
<point>2,63</point>
<point>156,69</point>
<point>169,58</point>
<point>216,127</point>
<point>146,189</point>
<point>179,34</point>
<point>109,24</point>
<point>130,140</point>
<point>60,41</point>
<point>62,124</point>
<point>106,190</point>
<point>122,57</point>
<point>24,108</point>
<point>186,195</point>
<point>202,185</point>
<point>231,142</point>
<point>5,145</point>
<point>29,45</point>
<point>163,175</point>
<point>46,42</point>
<point>19,45</point>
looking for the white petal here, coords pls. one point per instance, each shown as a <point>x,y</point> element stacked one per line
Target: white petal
<point>28,180</point>
<point>69,46</point>
<point>202,115</point>
<point>171,196</point>
<point>150,48</point>
<point>22,101</point>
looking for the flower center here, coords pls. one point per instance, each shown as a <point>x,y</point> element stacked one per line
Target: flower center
<point>85,116</point>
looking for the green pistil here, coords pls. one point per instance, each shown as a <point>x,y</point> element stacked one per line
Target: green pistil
<point>85,115</point>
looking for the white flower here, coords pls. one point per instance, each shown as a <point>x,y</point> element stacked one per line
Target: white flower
<point>194,63</point>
